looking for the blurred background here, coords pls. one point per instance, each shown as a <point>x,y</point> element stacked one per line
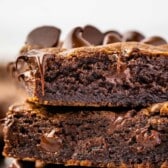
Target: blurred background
<point>19,17</point>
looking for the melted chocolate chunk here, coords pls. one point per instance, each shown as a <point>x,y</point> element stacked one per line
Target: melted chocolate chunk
<point>113,32</point>
<point>111,38</point>
<point>75,39</point>
<point>88,35</point>
<point>133,36</point>
<point>92,35</point>
<point>51,142</point>
<point>154,40</point>
<point>46,36</point>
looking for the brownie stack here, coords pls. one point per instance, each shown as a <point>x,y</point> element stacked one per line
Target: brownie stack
<point>95,99</point>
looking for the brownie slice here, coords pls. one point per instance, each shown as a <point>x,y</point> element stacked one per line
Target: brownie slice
<point>88,137</point>
<point>9,94</point>
<point>121,74</point>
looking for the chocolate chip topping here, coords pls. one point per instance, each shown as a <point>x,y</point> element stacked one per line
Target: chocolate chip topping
<point>92,35</point>
<point>113,32</point>
<point>111,38</point>
<point>133,36</point>
<point>75,39</point>
<point>154,40</point>
<point>46,36</point>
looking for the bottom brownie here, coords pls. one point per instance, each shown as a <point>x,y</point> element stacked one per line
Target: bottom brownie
<point>9,94</point>
<point>88,137</point>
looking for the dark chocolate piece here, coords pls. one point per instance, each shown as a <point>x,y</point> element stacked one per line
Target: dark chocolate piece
<point>88,137</point>
<point>75,39</point>
<point>113,32</point>
<point>80,37</point>
<point>111,38</point>
<point>92,35</point>
<point>133,36</point>
<point>121,74</point>
<point>154,40</point>
<point>46,36</point>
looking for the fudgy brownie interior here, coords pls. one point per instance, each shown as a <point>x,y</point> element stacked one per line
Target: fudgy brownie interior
<point>106,80</point>
<point>88,138</point>
<point>113,82</point>
<point>118,75</point>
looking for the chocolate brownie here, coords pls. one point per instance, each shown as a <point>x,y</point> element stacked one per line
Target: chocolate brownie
<point>129,74</point>
<point>88,136</point>
<point>9,94</point>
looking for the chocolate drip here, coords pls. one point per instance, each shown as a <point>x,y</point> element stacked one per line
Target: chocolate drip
<point>29,73</point>
<point>21,58</point>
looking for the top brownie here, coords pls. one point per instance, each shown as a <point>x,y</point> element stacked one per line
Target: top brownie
<point>79,73</point>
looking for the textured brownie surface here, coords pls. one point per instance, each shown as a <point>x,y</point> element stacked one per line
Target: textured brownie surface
<point>9,94</point>
<point>121,74</point>
<point>89,137</point>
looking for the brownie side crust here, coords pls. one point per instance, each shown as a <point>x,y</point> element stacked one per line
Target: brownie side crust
<point>88,138</point>
<point>129,74</point>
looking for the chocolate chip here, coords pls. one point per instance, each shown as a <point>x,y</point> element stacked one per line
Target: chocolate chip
<point>75,39</point>
<point>92,35</point>
<point>113,32</point>
<point>133,36</point>
<point>46,36</point>
<point>51,142</point>
<point>154,40</point>
<point>111,38</point>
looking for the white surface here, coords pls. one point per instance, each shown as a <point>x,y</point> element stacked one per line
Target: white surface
<point>18,17</point>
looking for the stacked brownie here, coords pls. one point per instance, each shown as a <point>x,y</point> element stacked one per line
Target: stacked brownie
<point>8,95</point>
<point>95,99</point>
